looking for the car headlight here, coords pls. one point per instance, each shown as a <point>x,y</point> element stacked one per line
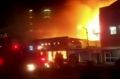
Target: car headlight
<point>31,67</point>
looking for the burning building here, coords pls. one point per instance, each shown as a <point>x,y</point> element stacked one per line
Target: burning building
<point>67,46</point>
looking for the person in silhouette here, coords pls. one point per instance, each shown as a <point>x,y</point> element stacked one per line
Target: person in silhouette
<point>59,59</point>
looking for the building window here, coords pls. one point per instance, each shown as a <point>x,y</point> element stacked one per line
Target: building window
<point>73,41</point>
<point>46,44</point>
<point>49,44</point>
<point>42,44</point>
<point>113,30</point>
<point>58,43</point>
<point>54,43</point>
<point>111,56</point>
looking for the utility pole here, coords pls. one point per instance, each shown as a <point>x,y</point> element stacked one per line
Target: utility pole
<point>87,37</point>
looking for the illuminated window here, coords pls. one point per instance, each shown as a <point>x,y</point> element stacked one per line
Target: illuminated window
<point>39,47</point>
<point>64,53</point>
<point>58,43</point>
<point>46,44</point>
<point>50,57</point>
<point>54,43</point>
<point>49,44</point>
<point>42,44</point>
<point>72,41</point>
<point>47,13</point>
<point>113,30</point>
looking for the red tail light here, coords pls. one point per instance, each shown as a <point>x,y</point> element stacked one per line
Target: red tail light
<point>43,59</point>
<point>1,61</point>
<point>15,46</point>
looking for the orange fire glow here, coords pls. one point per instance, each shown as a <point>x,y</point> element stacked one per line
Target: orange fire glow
<point>90,29</point>
<point>75,18</point>
<point>88,26</point>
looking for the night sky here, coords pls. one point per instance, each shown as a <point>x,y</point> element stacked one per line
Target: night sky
<point>8,8</point>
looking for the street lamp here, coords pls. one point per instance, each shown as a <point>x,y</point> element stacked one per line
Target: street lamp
<point>86,30</point>
<point>86,36</point>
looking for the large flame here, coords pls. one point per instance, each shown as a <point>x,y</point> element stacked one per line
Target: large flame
<point>88,27</point>
<point>76,18</point>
